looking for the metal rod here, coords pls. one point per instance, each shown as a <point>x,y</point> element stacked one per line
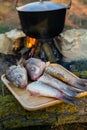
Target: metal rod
<point>69,6</point>
<point>41,1</point>
<point>16,3</point>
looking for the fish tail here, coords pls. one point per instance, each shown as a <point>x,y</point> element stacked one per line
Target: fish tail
<point>71,100</point>
<point>72,92</point>
<point>81,84</point>
<point>75,89</point>
<point>84,81</point>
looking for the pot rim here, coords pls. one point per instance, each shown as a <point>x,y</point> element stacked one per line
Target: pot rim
<point>44,6</point>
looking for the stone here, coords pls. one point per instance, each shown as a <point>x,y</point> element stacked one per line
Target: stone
<point>15,34</point>
<point>7,40</point>
<point>5,44</point>
<point>73,45</point>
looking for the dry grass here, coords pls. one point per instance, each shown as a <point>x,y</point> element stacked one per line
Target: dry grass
<point>76,15</point>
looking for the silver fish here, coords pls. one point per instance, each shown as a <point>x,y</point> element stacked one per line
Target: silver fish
<point>17,75</point>
<point>35,68</point>
<point>66,76</point>
<point>61,86</point>
<point>38,88</point>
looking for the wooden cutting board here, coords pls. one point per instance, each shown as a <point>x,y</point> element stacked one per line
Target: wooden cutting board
<point>28,102</point>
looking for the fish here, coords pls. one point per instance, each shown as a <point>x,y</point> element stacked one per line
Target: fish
<point>35,67</point>
<point>61,73</point>
<point>38,88</point>
<point>58,84</point>
<point>17,75</point>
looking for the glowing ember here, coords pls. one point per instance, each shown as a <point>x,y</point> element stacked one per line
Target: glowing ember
<point>29,42</point>
<point>16,44</point>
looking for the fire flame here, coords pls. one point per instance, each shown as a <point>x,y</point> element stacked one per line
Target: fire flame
<point>29,42</point>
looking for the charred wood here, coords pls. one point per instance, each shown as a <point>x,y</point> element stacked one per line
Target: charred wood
<point>37,49</point>
<point>48,52</point>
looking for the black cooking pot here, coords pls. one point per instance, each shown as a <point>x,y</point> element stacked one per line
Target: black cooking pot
<point>44,19</point>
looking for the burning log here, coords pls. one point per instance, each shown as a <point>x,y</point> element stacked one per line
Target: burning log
<point>48,52</point>
<point>23,51</point>
<point>57,40</point>
<point>29,42</point>
<point>37,49</point>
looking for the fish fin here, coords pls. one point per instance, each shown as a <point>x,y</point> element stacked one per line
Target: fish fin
<point>47,63</point>
<point>84,81</point>
<point>71,100</point>
<point>37,94</point>
<point>74,90</point>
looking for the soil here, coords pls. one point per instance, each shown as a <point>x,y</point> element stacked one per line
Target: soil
<point>76,16</point>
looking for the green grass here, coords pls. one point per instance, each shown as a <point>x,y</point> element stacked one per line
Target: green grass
<point>4,28</point>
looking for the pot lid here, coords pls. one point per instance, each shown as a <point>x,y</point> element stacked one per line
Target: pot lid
<point>41,6</point>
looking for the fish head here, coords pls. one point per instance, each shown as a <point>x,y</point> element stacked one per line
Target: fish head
<point>21,80</point>
<point>35,68</point>
<point>17,75</point>
<point>33,71</point>
<point>34,61</point>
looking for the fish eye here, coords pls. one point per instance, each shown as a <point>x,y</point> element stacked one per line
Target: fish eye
<point>33,68</point>
<point>19,76</point>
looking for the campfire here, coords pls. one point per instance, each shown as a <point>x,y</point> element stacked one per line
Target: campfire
<point>61,49</point>
<point>22,46</point>
<point>41,78</point>
<point>45,49</point>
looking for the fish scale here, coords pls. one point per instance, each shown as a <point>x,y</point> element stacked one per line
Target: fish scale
<point>17,75</point>
<point>35,68</point>
<point>66,76</point>
<point>38,88</point>
<point>61,86</point>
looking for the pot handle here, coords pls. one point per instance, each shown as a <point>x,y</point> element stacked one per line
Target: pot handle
<point>16,3</point>
<point>69,5</point>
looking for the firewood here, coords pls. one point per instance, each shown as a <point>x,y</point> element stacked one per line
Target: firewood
<point>49,53</point>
